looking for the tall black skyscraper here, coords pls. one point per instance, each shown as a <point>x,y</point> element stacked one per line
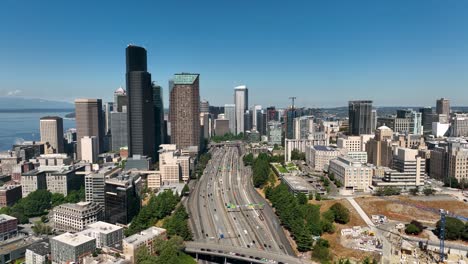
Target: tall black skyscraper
<point>360,117</point>
<point>158,116</point>
<point>140,104</point>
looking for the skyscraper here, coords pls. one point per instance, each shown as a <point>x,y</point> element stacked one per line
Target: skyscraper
<point>184,111</point>
<point>52,131</point>
<point>120,99</point>
<point>89,122</point>
<point>427,118</point>
<point>255,110</point>
<point>204,106</point>
<point>241,100</point>
<point>360,117</point>
<point>108,108</point>
<point>158,116</point>
<point>119,128</point>
<point>230,113</point>
<point>140,104</point>
<point>443,107</point>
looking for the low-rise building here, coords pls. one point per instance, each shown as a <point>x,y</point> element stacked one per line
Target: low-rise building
<point>75,217</point>
<point>8,227</point>
<point>351,173</point>
<point>71,248</point>
<point>106,235</point>
<point>9,195</point>
<point>32,181</point>
<point>297,184</point>
<point>38,253</point>
<point>145,238</point>
<point>318,157</point>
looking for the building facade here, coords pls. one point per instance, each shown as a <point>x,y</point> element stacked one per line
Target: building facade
<point>89,122</point>
<point>145,238</point>
<point>230,114</point>
<point>360,117</point>
<point>71,248</point>
<point>51,128</point>
<point>241,100</point>
<point>75,217</point>
<point>351,173</point>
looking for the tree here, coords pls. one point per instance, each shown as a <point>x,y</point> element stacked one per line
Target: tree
<point>318,197</point>
<point>302,198</point>
<point>414,191</point>
<point>57,199</point>
<point>185,190</point>
<point>451,182</point>
<point>340,212</point>
<point>248,159</point>
<point>454,228</point>
<point>321,250</point>
<point>429,191</point>
<point>412,229</point>
<point>331,176</point>
<point>40,228</point>
<point>297,155</point>
<point>177,224</point>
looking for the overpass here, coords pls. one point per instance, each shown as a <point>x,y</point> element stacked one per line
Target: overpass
<point>240,254</point>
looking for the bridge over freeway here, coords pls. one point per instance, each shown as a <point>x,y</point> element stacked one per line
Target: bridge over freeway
<point>238,253</point>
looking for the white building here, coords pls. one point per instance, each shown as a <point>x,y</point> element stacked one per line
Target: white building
<point>89,149</point>
<point>360,156</point>
<point>38,253</point>
<point>145,238</point>
<point>440,129</point>
<point>354,143</point>
<point>318,157</point>
<point>173,165</point>
<point>230,114</point>
<point>303,127</point>
<point>241,100</point>
<point>351,173</point>
<point>75,217</point>
<point>106,235</point>
<point>275,132</point>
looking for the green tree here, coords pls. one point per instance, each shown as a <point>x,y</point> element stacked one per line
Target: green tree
<point>177,224</point>
<point>40,228</point>
<point>57,199</point>
<point>331,176</point>
<point>248,159</point>
<point>454,228</point>
<point>302,198</point>
<point>340,212</point>
<point>412,230</point>
<point>321,251</point>
<point>297,155</point>
<point>429,191</point>
<point>185,190</point>
<point>318,197</point>
<point>414,191</point>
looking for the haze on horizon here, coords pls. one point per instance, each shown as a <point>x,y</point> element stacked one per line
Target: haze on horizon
<point>323,52</point>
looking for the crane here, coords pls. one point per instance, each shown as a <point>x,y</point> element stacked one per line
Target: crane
<point>292,99</point>
<point>442,234</point>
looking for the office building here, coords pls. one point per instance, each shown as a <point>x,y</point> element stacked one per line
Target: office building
<point>146,238</point>
<point>32,181</point>
<point>351,173</point>
<point>89,122</point>
<point>241,100</point>
<point>427,117</point>
<point>8,227</point>
<point>379,148</point>
<point>255,110</point>
<point>440,129</point>
<point>459,125</point>
<point>89,149</point>
<point>318,157</point>
<point>173,165</point>
<point>221,127</point>
<point>374,120</point>
<point>140,104</point>
<point>275,132</point>
<point>272,114</point>
<point>38,253</point>
<point>106,235</point>
<point>204,106</point>
<point>108,108</point>
<point>122,201</point>
<point>51,128</point>
<point>354,143</point>
<point>71,248</point>
<point>95,184</point>
<point>184,110</point>
<point>119,128</point>
<point>74,217</point>
<point>438,163</point>
<point>458,161</point>
<point>360,117</point>
<point>205,125</point>
<point>158,116</point>
<point>408,170</point>
<point>247,121</point>
<point>291,114</point>
<point>443,107</point>
<point>230,114</point>
<point>303,127</point>
<point>9,195</point>
<point>120,99</point>
<point>60,159</point>
<point>63,179</point>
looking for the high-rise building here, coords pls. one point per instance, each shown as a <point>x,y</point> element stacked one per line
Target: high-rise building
<point>119,128</point>
<point>459,126</point>
<point>290,115</point>
<point>52,131</point>
<point>158,116</point>
<point>443,106</point>
<point>247,121</point>
<point>89,149</point>
<point>427,117</point>
<point>230,114</point>
<point>303,127</point>
<point>241,100</point>
<point>89,121</point>
<point>275,131</point>
<point>379,148</point>
<point>108,108</point>
<point>140,104</point>
<point>360,117</point>
<point>374,120</point>
<point>122,201</point>
<point>184,110</point>
<point>204,106</point>
<point>255,110</point>
<point>272,114</point>
<point>120,99</point>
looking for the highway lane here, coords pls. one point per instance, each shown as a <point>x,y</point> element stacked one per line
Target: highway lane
<point>227,181</point>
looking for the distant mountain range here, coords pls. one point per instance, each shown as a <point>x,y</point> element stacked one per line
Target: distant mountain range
<point>8,104</point>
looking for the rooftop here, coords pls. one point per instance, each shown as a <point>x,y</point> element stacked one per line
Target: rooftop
<point>4,217</point>
<point>51,118</point>
<point>73,239</point>
<point>297,183</point>
<point>41,248</point>
<point>324,148</point>
<point>144,235</point>
<point>185,78</point>
<point>241,87</point>
<point>102,227</point>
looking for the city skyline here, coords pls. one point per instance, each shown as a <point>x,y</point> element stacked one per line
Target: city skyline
<point>342,52</point>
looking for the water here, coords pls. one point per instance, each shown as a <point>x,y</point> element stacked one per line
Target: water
<point>18,126</point>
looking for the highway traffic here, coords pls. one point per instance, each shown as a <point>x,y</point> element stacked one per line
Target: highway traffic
<point>226,210</point>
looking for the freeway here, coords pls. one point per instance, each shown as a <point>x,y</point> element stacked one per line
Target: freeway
<point>226,210</point>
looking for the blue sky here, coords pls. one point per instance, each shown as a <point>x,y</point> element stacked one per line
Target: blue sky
<point>323,52</point>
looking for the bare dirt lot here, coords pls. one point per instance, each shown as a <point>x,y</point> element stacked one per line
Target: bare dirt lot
<point>407,208</point>
<point>338,250</point>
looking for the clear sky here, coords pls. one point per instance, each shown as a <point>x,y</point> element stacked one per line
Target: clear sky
<point>396,52</point>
